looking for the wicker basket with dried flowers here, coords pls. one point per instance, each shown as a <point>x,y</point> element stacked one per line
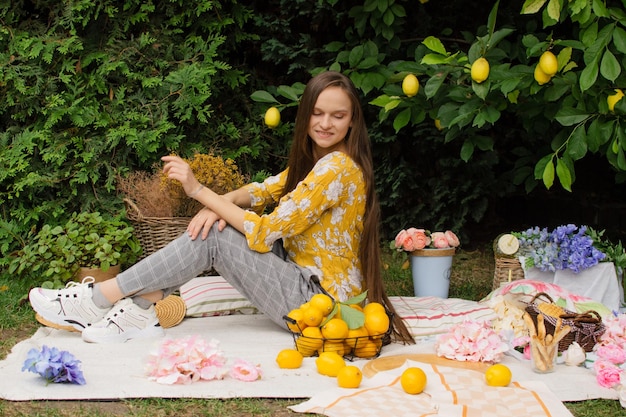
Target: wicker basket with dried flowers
<point>158,207</point>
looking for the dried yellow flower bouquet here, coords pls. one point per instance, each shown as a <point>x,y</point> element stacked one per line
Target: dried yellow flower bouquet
<point>157,196</point>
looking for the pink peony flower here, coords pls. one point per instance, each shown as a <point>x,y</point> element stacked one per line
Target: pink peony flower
<point>413,239</point>
<point>186,360</point>
<point>607,374</point>
<point>452,238</point>
<point>439,240</point>
<point>472,341</point>
<point>611,353</point>
<point>245,371</point>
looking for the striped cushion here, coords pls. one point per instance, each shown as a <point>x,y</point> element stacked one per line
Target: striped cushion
<point>426,316</point>
<point>213,296</point>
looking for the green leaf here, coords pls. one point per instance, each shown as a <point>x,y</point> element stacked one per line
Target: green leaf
<point>392,104</point>
<point>491,20</point>
<point>548,174</point>
<point>588,76</point>
<point>402,119</point>
<point>599,8</point>
<point>263,97</point>
<point>467,150</point>
<point>481,89</point>
<point>554,9</point>
<point>564,174</point>
<point>357,299</point>
<point>353,317</point>
<point>383,100</point>
<point>610,67</point>
<point>577,145</point>
<point>433,84</point>
<point>599,133</point>
<point>569,116</point>
<point>532,6</point>
<point>288,92</point>
<point>433,59</point>
<point>435,45</point>
<point>619,39</point>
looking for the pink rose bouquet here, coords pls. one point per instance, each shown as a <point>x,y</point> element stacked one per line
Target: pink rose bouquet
<point>413,239</point>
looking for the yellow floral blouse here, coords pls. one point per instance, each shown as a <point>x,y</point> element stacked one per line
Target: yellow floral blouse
<point>320,221</point>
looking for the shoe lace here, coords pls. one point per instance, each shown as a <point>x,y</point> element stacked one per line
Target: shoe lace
<point>86,280</point>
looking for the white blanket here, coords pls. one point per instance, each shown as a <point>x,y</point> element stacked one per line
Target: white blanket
<point>115,371</point>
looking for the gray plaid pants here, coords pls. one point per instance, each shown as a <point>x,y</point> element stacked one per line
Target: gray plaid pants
<point>272,283</point>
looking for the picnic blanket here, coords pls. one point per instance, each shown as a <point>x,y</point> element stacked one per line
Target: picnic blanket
<point>115,371</point>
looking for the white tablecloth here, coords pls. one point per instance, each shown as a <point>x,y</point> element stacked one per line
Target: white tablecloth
<point>599,283</point>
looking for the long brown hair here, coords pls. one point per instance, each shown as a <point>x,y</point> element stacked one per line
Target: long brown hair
<point>302,160</point>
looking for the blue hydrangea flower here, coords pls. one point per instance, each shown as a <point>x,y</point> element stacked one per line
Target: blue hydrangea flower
<point>54,365</point>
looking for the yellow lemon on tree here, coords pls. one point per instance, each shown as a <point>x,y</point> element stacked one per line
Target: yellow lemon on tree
<point>272,117</point>
<point>540,76</point>
<point>335,329</point>
<point>349,376</point>
<point>614,98</point>
<point>438,124</point>
<point>413,380</point>
<point>329,363</point>
<point>289,359</point>
<point>498,375</point>
<point>548,63</point>
<point>322,302</point>
<point>410,85</point>
<point>480,70</point>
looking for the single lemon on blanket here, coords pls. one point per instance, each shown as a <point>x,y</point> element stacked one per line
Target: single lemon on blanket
<point>329,363</point>
<point>498,375</point>
<point>335,329</point>
<point>322,302</point>
<point>289,359</point>
<point>349,376</point>
<point>413,380</point>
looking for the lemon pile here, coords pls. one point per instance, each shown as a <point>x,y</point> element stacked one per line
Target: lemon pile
<point>322,328</point>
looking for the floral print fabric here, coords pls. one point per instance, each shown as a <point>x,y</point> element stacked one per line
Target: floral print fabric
<point>320,221</point>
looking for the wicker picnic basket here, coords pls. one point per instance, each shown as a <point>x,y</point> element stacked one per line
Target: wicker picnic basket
<point>154,233</point>
<point>586,328</point>
<point>508,267</point>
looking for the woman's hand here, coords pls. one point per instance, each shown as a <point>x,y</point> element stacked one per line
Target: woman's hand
<point>202,222</point>
<point>177,169</point>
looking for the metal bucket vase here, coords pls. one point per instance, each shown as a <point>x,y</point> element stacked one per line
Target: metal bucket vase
<point>431,272</point>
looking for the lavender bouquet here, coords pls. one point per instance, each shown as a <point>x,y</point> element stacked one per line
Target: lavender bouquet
<point>565,247</point>
<point>54,365</point>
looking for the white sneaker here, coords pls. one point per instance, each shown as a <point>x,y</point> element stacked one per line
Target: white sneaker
<point>70,306</point>
<point>125,321</point>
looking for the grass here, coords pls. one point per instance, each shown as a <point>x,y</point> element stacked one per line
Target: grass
<point>471,278</point>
